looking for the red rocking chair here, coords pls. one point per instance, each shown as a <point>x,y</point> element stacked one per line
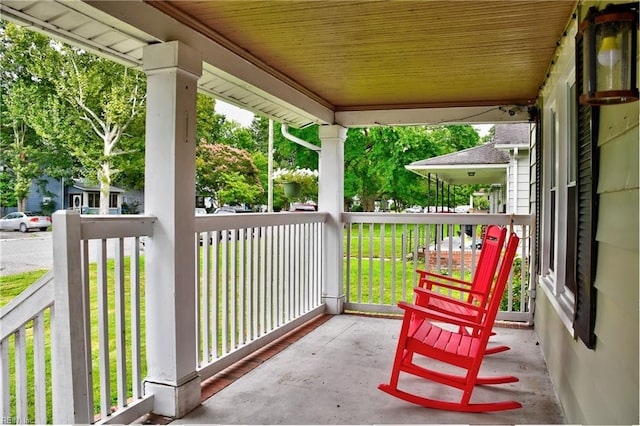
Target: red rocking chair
<point>420,336</point>
<point>472,306</point>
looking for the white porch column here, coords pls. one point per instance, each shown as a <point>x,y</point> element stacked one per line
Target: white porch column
<point>331,199</point>
<point>172,72</point>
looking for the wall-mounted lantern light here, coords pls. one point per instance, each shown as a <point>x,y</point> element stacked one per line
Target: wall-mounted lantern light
<point>609,47</point>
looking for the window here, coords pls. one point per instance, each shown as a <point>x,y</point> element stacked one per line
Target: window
<point>587,124</point>
<point>558,255</point>
<point>552,165</point>
<point>572,156</point>
<point>94,199</point>
<point>568,196</point>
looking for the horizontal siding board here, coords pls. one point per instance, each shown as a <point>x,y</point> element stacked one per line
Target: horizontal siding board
<point>620,159</point>
<point>615,367</point>
<point>618,224</point>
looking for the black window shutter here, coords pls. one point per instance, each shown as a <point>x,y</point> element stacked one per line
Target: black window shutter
<point>587,209</point>
<point>538,181</point>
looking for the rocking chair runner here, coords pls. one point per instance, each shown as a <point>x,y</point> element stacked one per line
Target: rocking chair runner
<point>473,306</point>
<point>420,336</point>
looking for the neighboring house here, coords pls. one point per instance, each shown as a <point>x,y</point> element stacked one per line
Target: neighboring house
<point>86,198</point>
<point>79,195</point>
<point>514,140</point>
<point>502,163</point>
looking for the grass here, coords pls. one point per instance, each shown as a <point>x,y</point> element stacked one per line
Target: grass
<point>395,285</point>
<point>14,284</point>
<point>409,235</point>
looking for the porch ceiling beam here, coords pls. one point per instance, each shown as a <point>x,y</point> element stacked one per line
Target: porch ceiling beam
<point>155,23</point>
<point>434,115</point>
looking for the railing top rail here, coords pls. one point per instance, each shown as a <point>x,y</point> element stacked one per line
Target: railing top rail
<point>106,226</point>
<point>218,222</point>
<point>438,218</point>
<point>26,305</point>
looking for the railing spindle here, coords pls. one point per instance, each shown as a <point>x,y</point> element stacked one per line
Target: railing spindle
<point>39,369</point>
<point>20,337</point>
<point>121,359</point>
<point>5,407</point>
<point>136,341</point>
<point>103,331</point>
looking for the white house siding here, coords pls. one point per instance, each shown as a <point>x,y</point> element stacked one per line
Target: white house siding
<point>520,165</point>
<point>601,386</point>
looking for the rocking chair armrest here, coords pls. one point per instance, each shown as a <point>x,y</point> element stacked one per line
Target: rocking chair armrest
<point>423,312</point>
<point>449,299</point>
<point>431,284</point>
<point>442,277</point>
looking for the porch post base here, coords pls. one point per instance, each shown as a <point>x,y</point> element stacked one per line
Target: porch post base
<point>174,401</point>
<point>334,305</point>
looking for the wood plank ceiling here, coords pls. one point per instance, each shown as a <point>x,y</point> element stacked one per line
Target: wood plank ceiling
<point>354,63</point>
<point>365,55</point>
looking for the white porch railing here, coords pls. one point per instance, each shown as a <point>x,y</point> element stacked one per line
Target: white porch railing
<point>97,346</point>
<point>26,334</point>
<point>258,277</point>
<point>383,250</point>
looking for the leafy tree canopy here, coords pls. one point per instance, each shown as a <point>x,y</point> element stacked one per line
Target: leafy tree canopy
<point>216,168</point>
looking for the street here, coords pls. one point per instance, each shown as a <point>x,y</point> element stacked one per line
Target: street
<point>24,252</point>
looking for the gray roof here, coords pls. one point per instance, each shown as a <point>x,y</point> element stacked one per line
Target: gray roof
<point>512,134</point>
<point>482,154</point>
<point>85,186</point>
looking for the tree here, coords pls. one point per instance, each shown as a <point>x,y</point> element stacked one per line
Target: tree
<point>236,190</point>
<point>208,122</point>
<point>219,168</point>
<point>360,178</point>
<point>287,154</point>
<point>24,155</point>
<point>19,150</point>
<point>108,97</point>
<point>85,106</point>
<point>375,160</point>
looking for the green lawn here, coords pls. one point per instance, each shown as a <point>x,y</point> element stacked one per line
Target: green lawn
<point>409,235</point>
<point>14,284</point>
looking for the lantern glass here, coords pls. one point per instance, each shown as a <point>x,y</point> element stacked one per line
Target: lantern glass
<point>609,52</point>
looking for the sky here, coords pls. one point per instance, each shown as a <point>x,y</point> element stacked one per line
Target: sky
<point>245,117</point>
<point>234,113</point>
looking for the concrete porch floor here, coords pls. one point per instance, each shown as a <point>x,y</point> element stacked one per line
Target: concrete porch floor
<point>329,375</point>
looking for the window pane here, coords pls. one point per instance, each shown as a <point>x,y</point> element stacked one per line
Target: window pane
<point>573,138</point>
<point>94,199</point>
<point>552,147</point>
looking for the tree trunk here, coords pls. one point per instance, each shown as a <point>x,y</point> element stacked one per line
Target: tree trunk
<point>105,185</point>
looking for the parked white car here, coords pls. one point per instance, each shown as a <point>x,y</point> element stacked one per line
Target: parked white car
<point>414,209</point>
<point>24,221</point>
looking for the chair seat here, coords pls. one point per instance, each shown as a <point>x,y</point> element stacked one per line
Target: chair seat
<point>435,342</point>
